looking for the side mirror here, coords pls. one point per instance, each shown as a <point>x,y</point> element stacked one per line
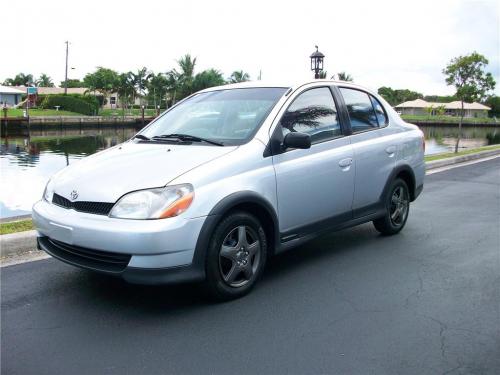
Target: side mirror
<point>297,140</point>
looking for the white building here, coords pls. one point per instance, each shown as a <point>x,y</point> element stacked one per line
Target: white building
<point>422,107</point>
<point>10,96</point>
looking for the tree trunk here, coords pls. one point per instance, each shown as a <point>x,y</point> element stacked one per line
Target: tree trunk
<point>460,127</point>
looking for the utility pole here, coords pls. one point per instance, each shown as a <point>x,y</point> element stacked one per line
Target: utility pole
<point>66,74</point>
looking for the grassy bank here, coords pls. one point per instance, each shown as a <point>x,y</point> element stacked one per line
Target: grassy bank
<point>16,226</point>
<point>449,119</point>
<point>17,112</point>
<point>461,153</point>
<point>107,112</point>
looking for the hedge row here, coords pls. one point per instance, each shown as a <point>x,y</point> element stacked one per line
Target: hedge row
<point>70,103</point>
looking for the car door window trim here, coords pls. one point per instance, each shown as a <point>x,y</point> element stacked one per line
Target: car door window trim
<point>344,130</point>
<point>370,96</point>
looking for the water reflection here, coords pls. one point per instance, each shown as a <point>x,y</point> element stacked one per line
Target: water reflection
<point>442,139</point>
<point>26,164</point>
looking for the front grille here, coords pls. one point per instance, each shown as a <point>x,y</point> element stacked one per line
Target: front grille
<point>97,208</point>
<point>83,257</point>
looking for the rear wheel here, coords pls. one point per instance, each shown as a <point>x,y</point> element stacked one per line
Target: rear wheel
<point>397,205</point>
<point>236,256</point>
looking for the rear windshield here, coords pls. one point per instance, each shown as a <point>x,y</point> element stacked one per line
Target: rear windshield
<point>230,116</point>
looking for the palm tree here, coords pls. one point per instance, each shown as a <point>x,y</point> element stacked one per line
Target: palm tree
<point>186,74</point>
<point>157,87</point>
<point>239,76</point>
<point>125,90</point>
<point>20,79</point>
<point>44,81</point>
<point>343,76</point>
<point>207,78</point>
<point>173,84</point>
<point>140,80</point>
<point>323,74</point>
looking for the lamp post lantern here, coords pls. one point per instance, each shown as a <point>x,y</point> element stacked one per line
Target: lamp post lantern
<point>317,62</point>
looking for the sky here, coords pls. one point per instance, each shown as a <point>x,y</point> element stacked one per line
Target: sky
<point>401,44</point>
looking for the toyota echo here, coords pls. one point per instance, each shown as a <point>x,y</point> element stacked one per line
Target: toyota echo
<point>230,176</point>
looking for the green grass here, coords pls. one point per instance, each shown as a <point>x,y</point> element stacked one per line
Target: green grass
<point>107,112</point>
<point>449,119</point>
<point>17,112</point>
<point>16,226</point>
<point>460,153</point>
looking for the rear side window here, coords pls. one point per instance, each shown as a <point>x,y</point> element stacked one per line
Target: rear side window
<point>313,112</point>
<point>379,112</point>
<point>360,108</point>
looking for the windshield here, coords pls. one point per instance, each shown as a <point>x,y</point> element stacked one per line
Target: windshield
<point>231,116</point>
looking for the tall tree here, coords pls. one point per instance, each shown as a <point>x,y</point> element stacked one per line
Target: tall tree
<point>73,83</point>
<point>173,85</point>
<point>20,79</point>
<point>494,103</point>
<point>472,83</point>
<point>238,76</point>
<point>157,88</point>
<point>186,74</point>
<point>125,89</point>
<point>140,80</point>
<point>44,81</point>
<point>103,80</point>
<point>207,78</point>
<point>395,97</point>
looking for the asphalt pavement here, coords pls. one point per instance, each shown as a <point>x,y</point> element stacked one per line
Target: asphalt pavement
<point>426,301</point>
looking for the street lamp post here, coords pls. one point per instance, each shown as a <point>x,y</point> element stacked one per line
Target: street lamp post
<point>66,70</point>
<point>317,62</point>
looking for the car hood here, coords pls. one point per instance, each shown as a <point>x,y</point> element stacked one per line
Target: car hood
<point>109,174</point>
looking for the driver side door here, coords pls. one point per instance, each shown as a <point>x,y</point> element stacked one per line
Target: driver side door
<point>315,186</point>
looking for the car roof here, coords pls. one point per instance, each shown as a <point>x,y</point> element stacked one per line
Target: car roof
<point>293,85</point>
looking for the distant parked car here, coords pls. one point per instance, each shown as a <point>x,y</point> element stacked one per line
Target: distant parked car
<point>230,176</point>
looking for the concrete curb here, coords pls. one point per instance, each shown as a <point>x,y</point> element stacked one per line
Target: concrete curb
<point>15,218</point>
<point>17,243</point>
<point>20,243</point>
<point>460,159</point>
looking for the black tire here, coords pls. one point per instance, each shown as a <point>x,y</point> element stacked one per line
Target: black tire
<point>392,223</point>
<point>229,256</point>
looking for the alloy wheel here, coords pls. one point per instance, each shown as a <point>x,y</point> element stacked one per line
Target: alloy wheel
<point>399,206</point>
<point>239,256</point>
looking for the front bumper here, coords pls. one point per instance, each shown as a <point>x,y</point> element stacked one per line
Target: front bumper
<point>142,251</point>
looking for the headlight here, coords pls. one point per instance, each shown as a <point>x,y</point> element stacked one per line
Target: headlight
<point>157,203</point>
<point>49,191</point>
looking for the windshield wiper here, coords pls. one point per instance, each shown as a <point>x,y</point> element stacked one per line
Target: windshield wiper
<point>187,137</point>
<point>142,137</point>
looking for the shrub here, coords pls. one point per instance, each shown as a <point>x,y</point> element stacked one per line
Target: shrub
<point>69,103</point>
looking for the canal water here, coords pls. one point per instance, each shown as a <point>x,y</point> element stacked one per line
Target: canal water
<point>27,163</point>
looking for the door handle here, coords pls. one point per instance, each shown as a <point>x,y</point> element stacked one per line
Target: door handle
<point>391,150</point>
<point>344,163</point>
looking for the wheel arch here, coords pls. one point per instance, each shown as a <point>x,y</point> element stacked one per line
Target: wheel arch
<point>248,201</point>
<point>406,173</point>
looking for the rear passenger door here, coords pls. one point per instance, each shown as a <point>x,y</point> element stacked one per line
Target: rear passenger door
<point>374,146</point>
<point>314,186</point>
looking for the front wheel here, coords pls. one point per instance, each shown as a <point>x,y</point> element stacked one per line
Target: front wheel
<point>397,205</point>
<point>236,256</point>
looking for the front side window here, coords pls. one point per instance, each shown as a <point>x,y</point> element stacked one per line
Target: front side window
<point>313,112</point>
<point>360,109</point>
<point>230,117</point>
